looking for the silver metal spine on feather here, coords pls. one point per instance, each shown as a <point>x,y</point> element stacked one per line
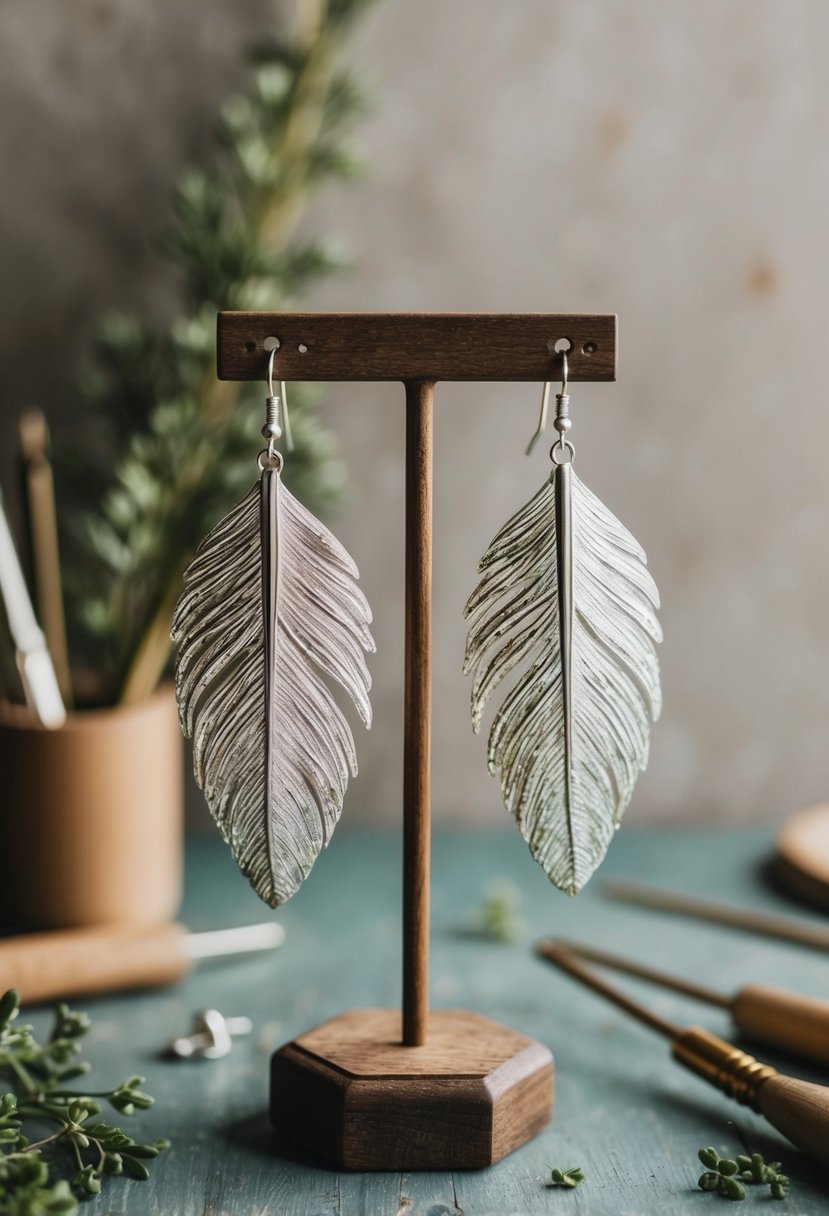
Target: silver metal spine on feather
<point>566,601</point>
<point>270,485</point>
<point>564,563</point>
<point>271,610</point>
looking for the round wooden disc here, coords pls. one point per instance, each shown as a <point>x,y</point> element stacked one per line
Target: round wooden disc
<point>802,863</point>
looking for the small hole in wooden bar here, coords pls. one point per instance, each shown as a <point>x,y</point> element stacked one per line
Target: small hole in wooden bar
<point>271,343</point>
<point>589,348</point>
<point>302,348</point>
<point>250,347</point>
<point>563,346</point>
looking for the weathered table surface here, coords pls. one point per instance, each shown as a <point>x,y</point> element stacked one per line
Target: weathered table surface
<point>624,1112</point>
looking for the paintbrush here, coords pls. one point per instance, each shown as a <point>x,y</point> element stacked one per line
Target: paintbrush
<point>33,431</point>
<point>34,663</point>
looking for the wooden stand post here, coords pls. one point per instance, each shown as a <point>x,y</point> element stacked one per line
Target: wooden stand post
<point>459,1091</point>
<point>418,711</point>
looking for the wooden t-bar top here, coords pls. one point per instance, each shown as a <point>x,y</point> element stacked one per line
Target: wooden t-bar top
<point>416,346</point>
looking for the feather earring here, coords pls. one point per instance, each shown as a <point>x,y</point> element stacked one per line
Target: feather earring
<point>270,606</point>
<point>565,596</point>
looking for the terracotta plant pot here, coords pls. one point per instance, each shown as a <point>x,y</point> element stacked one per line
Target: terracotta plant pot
<point>91,824</point>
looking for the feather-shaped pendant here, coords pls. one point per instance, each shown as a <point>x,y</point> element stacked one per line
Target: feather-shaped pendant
<point>566,596</point>
<point>270,606</point>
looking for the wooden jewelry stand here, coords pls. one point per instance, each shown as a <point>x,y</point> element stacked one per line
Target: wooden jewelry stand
<point>448,1090</point>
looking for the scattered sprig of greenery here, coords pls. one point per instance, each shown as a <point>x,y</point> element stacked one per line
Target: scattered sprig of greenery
<point>727,1176</point>
<point>498,919</point>
<point>569,1178</point>
<point>754,1169</point>
<point>164,448</point>
<point>80,1144</point>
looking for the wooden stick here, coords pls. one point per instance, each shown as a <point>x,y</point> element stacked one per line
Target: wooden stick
<point>43,535</point>
<point>786,928</point>
<point>418,710</point>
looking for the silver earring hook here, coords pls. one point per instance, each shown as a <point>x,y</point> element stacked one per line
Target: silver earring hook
<point>286,417</point>
<point>277,417</point>
<point>545,404</point>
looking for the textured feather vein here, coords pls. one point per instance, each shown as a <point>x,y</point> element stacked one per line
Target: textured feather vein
<point>566,803</point>
<point>272,750</point>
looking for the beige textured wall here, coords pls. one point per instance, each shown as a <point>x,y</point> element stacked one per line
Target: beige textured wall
<point>663,161</point>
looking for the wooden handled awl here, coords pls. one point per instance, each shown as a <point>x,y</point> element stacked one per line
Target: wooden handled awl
<point>798,1109</point>
<point>772,1016</point>
<point>77,962</point>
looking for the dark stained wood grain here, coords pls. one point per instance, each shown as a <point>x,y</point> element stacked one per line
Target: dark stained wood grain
<point>470,1095</point>
<point>416,346</point>
<point>417,710</point>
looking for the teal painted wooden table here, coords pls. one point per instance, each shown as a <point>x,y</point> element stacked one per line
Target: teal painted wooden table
<point>624,1112</point>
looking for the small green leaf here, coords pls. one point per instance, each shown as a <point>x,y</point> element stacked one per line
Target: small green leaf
<point>143,1150</point>
<point>709,1157</point>
<point>732,1187</point>
<point>136,1169</point>
<point>9,1006</point>
<point>568,1178</point>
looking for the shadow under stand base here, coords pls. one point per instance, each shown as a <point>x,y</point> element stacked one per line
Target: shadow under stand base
<point>349,1091</point>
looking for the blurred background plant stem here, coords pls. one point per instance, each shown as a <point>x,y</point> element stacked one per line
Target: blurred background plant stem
<point>181,446</point>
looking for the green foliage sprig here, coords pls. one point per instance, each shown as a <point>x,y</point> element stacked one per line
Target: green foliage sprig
<point>728,1177</point>
<point>569,1178</point>
<point>498,918</point>
<point>33,1171</point>
<point>166,449</point>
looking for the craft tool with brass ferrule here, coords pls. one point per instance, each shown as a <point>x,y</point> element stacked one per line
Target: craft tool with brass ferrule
<point>772,1016</point>
<point>798,1109</point>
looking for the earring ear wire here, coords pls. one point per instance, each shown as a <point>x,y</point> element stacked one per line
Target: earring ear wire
<point>545,404</point>
<point>277,417</point>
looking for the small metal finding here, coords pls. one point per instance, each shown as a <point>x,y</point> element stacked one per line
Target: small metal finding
<point>212,1036</point>
<point>277,418</point>
<point>542,417</point>
<point>562,420</point>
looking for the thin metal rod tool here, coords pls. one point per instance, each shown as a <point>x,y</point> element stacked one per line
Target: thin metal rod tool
<point>775,1017</point>
<point>699,992</point>
<point>563,958</point>
<point>785,928</point>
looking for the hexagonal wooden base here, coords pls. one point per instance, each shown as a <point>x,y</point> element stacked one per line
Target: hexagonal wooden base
<point>350,1092</point>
